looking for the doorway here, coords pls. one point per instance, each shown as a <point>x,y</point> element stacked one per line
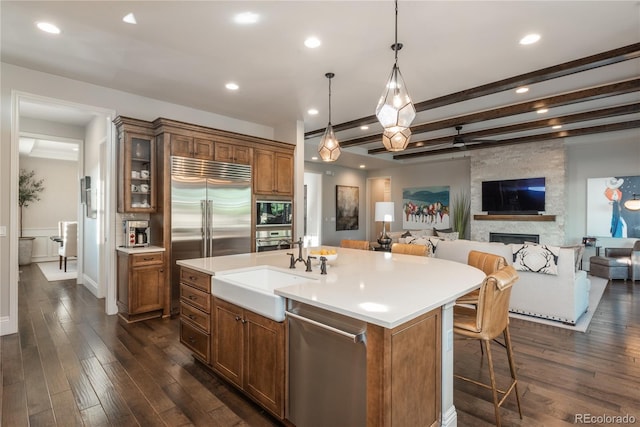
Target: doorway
<point>34,114</point>
<point>313,209</point>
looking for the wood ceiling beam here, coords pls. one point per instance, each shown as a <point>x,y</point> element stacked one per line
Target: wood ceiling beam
<point>612,127</point>
<point>526,126</point>
<point>602,59</point>
<point>619,88</point>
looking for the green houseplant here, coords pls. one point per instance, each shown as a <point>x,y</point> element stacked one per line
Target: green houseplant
<point>29,189</point>
<point>461,212</point>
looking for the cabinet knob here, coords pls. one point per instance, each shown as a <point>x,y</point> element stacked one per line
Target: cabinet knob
<point>192,297</point>
<point>237,318</point>
<point>191,316</point>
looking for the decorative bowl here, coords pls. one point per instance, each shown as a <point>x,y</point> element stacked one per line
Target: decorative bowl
<point>330,254</point>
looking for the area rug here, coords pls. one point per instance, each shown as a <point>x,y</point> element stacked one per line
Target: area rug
<point>52,273</point>
<point>598,285</point>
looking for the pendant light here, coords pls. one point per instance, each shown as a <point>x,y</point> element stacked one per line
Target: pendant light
<point>633,204</point>
<point>329,148</point>
<point>395,111</point>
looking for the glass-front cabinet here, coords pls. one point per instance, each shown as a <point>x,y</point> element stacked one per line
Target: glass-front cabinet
<point>136,166</point>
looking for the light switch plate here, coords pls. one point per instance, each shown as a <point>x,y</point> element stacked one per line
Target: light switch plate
<point>3,230</point>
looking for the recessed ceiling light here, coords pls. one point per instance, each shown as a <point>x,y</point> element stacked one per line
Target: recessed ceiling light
<point>312,111</point>
<point>48,27</point>
<point>530,39</point>
<point>130,18</point>
<point>363,166</point>
<point>542,110</point>
<point>556,127</point>
<point>312,42</point>
<point>314,158</point>
<point>523,89</point>
<point>365,127</point>
<point>232,86</point>
<point>246,18</point>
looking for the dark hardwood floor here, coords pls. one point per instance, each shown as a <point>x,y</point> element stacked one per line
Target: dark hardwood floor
<point>70,364</point>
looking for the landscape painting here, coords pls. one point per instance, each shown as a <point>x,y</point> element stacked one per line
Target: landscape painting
<point>606,214</point>
<point>425,207</point>
<point>347,209</point>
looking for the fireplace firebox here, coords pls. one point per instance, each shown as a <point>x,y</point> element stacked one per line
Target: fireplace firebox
<point>514,238</point>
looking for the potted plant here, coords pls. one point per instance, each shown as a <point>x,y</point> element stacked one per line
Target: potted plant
<point>461,213</point>
<point>29,190</point>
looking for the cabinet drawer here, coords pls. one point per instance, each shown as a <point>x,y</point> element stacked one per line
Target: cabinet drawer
<point>195,297</point>
<point>197,279</point>
<point>147,258</point>
<point>196,340</point>
<point>196,316</point>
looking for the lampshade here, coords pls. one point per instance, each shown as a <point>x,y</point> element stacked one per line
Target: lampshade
<point>384,211</point>
<point>633,204</point>
<point>329,148</point>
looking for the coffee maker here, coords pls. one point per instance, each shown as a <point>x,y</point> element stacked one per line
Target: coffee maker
<point>136,233</point>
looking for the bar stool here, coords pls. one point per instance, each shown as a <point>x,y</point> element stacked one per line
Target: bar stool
<point>354,244</point>
<point>487,321</point>
<point>489,263</point>
<point>409,249</point>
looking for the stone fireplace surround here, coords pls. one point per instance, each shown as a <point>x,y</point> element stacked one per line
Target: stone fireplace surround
<point>547,159</point>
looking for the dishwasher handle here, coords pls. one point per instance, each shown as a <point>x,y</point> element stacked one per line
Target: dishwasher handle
<point>357,338</point>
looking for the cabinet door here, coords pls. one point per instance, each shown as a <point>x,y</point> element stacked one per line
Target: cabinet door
<point>283,174</point>
<point>264,361</point>
<point>224,152</point>
<point>263,172</point>
<point>145,293</point>
<point>181,146</point>
<point>203,149</point>
<point>241,155</point>
<point>137,191</point>
<point>228,340</point>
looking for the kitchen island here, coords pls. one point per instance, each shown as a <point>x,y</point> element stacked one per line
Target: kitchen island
<point>406,304</point>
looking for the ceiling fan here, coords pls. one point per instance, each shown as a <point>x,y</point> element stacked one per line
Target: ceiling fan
<point>458,141</point>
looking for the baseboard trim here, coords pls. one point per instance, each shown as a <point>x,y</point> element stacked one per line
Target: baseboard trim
<point>6,327</point>
<point>91,285</point>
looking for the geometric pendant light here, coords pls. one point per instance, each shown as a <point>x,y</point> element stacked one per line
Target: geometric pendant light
<point>329,148</point>
<point>395,111</point>
<point>633,204</point>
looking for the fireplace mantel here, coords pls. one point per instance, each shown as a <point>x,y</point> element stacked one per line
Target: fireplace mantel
<point>514,217</point>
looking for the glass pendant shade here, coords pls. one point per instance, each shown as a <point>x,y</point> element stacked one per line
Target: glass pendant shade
<point>395,108</point>
<point>396,138</point>
<point>329,149</point>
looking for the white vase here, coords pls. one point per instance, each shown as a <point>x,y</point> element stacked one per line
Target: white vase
<point>25,249</point>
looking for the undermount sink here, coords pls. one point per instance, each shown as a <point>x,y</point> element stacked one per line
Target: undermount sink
<point>253,289</point>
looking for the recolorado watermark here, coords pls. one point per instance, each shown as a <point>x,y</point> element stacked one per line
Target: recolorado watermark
<point>603,419</point>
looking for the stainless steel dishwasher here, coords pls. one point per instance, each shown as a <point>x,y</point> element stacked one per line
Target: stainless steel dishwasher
<point>327,368</point>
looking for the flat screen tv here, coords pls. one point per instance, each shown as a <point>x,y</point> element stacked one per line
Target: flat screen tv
<point>513,196</point>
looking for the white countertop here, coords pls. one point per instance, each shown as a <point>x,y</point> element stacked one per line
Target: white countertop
<point>140,250</point>
<point>377,287</point>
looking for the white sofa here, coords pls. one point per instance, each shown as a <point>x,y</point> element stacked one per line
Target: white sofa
<point>563,297</point>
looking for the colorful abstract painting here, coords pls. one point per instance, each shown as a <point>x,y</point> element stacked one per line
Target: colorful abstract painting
<point>606,214</point>
<point>425,207</point>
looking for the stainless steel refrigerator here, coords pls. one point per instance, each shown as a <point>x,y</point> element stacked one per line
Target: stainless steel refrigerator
<point>210,212</point>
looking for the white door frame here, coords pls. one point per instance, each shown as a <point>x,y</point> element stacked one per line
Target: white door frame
<point>107,221</point>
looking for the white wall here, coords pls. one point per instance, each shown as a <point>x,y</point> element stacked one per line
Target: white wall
<point>47,85</point>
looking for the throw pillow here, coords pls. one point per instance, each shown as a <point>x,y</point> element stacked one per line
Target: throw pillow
<point>432,242</point>
<point>443,230</point>
<point>536,258</point>
<point>406,234</point>
<point>451,235</point>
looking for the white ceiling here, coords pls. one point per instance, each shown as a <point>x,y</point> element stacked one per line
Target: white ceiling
<point>185,52</point>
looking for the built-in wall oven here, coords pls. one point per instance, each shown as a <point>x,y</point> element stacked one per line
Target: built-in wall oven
<point>269,239</point>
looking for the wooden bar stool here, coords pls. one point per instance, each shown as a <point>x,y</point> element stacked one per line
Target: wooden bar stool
<point>487,321</point>
<point>355,244</point>
<point>489,263</point>
<point>409,249</point>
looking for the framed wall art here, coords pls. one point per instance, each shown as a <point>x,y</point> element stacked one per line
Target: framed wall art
<point>347,207</point>
<point>607,214</point>
<point>425,207</point>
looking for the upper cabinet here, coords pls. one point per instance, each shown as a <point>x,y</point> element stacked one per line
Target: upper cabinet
<point>187,146</point>
<point>273,172</point>
<point>232,153</point>
<point>136,166</point>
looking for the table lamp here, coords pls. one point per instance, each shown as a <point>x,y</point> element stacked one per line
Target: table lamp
<point>384,213</point>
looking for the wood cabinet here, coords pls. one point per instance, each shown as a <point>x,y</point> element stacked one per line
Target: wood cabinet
<point>187,146</point>
<point>141,279</point>
<point>195,313</point>
<point>273,172</point>
<point>232,153</point>
<point>249,350</point>
<point>136,166</point>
